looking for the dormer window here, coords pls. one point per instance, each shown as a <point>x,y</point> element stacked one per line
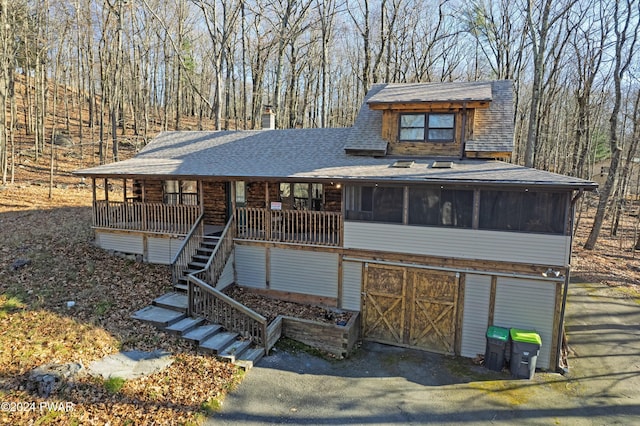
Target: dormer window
<point>429,127</point>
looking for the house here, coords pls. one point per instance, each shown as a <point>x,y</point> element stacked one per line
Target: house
<point>411,217</point>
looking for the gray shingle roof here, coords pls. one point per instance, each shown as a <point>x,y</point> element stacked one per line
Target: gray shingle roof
<point>323,154</point>
<point>493,127</point>
<point>306,154</point>
<point>366,134</point>
<point>432,92</point>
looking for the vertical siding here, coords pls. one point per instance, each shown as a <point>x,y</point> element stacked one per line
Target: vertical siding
<point>162,250</point>
<point>125,243</point>
<point>226,279</point>
<point>306,272</point>
<point>527,304</point>
<point>251,266</point>
<point>351,285</point>
<point>477,292</point>
<point>454,242</point>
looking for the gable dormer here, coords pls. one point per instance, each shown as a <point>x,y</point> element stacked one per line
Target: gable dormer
<point>461,119</point>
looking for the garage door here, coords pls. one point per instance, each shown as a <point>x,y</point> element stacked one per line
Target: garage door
<point>410,307</point>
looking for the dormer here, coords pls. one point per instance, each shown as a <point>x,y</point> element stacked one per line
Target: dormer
<point>460,119</point>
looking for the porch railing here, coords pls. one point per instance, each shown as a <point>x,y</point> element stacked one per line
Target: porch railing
<point>191,243</point>
<point>291,226</point>
<point>147,217</point>
<point>218,259</point>
<point>218,308</point>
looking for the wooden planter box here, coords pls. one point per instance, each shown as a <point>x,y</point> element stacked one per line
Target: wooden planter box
<point>334,339</point>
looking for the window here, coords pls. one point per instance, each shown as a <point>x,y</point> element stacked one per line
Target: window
<point>379,204</point>
<point>537,212</point>
<point>302,196</point>
<point>431,127</point>
<point>181,192</point>
<point>241,193</point>
<point>440,207</point>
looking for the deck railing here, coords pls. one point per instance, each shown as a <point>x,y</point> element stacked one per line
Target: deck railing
<point>191,243</point>
<point>147,217</point>
<point>218,308</point>
<point>290,226</point>
<point>218,259</point>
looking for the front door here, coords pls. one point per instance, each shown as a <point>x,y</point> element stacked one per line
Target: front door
<point>410,307</point>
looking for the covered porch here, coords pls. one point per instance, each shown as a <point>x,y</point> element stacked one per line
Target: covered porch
<point>293,213</point>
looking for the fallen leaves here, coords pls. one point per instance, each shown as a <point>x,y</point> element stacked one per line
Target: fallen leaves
<point>38,327</point>
<point>270,308</point>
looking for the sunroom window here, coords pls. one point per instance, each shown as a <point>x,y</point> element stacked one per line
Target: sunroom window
<point>440,207</point>
<point>528,211</point>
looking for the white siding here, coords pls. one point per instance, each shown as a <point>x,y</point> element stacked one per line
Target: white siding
<point>459,243</point>
<point>226,278</point>
<point>351,285</point>
<point>162,250</point>
<point>530,305</point>
<point>125,243</point>
<point>477,293</point>
<point>251,266</point>
<point>307,272</point>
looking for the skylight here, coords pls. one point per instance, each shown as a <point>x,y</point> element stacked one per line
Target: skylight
<point>403,164</point>
<point>442,165</point>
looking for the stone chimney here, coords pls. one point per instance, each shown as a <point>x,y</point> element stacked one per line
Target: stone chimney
<point>268,118</point>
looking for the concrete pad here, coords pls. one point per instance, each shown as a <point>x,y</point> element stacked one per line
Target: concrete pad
<point>130,364</point>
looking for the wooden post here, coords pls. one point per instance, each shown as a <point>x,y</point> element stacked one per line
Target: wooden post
<point>95,205</point>
<point>267,216</point>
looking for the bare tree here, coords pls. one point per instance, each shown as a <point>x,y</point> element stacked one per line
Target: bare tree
<point>625,27</point>
<point>540,22</point>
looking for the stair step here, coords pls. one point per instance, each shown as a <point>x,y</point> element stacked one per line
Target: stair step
<point>197,265</point>
<point>234,350</point>
<point>205,251</point>
<point>202,333</point>
<point>175,301</point>
<point>200,258</point>
<point>180,287</point>
<point>249,358</point>
<point>185,325</point>
<point>218,342</point>
<point>160,317</point>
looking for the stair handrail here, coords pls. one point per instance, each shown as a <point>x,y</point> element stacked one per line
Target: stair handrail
<point>216,307</point>
<point>189,246</point>
<point>220,255</point>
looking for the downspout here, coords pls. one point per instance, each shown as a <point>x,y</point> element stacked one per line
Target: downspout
<point>567,277</point>
<point>463,136</point>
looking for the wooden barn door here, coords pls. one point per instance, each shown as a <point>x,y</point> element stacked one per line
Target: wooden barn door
<point>433,310</point>
<point>410,307</point>
<point>384,303</point>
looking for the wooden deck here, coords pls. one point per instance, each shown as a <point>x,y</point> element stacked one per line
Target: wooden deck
<point>145,217</point>
<point>290,226</point>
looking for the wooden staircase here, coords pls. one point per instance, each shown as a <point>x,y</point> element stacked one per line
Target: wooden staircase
<point>198,261</point>
<point>169,313</point>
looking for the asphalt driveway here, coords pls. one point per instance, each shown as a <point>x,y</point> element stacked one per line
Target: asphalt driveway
<point>388,385</point>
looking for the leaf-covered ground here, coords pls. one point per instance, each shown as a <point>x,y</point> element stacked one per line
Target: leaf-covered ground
<point>51,239</point>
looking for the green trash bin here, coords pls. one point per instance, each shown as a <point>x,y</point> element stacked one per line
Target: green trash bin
<point>525,348</point>
<point>497,338</point>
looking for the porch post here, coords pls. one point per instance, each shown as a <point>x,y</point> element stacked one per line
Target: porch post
<point>267,218</point>
<point>106,201</point>
<point>95,205</point>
